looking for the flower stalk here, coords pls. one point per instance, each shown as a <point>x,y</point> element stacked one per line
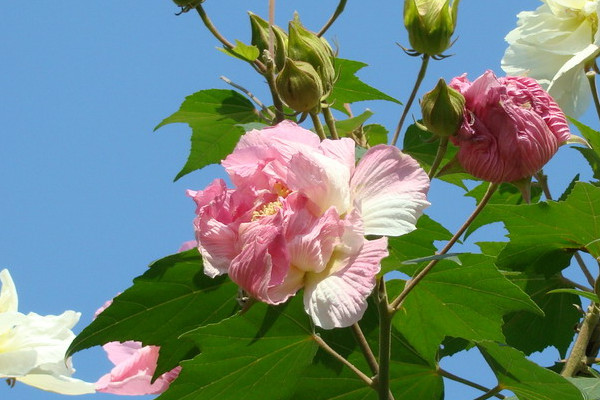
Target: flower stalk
<point>385,341</point>
<point>420,76</point>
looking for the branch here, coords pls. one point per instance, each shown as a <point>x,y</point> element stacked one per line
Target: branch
<point>467,382</point>
<point>336,14</point>
<point>578,358</point>
<point>339,357</point>
<point>364,347</point>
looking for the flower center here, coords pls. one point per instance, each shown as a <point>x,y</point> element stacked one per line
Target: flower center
<point>268,209</point>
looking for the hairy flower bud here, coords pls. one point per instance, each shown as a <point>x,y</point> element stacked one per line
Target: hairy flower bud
<point>261,37</point>
<point>430,24</point>
<point>442,109</point>
<point>299,86</point>
<point>306,46</point>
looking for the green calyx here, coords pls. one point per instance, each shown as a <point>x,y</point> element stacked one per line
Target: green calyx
<point>430,24</point>
<point>299,86</point>
<point>261,36</point>
<point>306,46</point>
<point>442,110</point>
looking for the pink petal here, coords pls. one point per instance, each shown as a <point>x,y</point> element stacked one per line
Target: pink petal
<point>340,299</point>
<point>391,190</point>
<point>342,150</point>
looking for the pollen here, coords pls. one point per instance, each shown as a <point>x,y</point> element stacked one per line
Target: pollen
<point>281,189</point>
<point>268,209</point>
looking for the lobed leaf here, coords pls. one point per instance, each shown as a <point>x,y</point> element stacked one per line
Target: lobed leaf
<point>215,116</point>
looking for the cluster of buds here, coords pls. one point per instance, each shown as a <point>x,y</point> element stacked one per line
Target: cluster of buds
<point>430,25</point>
<point>303,63</point>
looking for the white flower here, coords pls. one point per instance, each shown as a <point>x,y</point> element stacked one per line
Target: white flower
<point>552,44</point>
<point>33,347</point>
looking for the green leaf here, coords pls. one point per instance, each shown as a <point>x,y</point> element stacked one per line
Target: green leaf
<point>171,298</point>
<point>524,378</point>
<point>530,333</point>
<point>464,301</point>
<point>416,244</point>
<point>249,356</point>
<point>349,89</point>
<point>423,146</point>
<point>242,51</point>
<point>347,126</point>
<point>589,386</point>
<point>505,194</point>
<point>590,296</point>
<point>550,231</point>
<point>593,138</point>
<point>214,116</point>
<point>376,134</point>
<point>412,376</point>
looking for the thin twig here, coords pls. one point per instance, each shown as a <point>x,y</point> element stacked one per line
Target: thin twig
<point>575,284</point>
<point>255,99</point>
<point>413,94</point>
<point>365,348</point>
<point>340,358</point>
<point>591,75</point>
<point>467,382</point>
<point>271,32</point>
<point>441,151</point>
<point>492,392</point>
<point>397,303</point>
<point>213,29</point>
<point>334,16</point>
<point>330,121</point>
<point>318,125</point>
<point>385,341</point>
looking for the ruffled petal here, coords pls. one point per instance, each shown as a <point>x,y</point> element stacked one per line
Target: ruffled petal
<point>9,301</point>
<point>340,299</point>
<point>391,189</point>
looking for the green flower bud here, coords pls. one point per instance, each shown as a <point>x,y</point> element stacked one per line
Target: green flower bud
<point>430,24</point>
<point>442,109</point>
<point>261,38</point>
<point>299,86</point>
<point>306,46</point>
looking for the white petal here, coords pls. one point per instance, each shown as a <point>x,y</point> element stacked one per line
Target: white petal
<point>58,383</point>
<point>8,294</point>
<point>391,189</point>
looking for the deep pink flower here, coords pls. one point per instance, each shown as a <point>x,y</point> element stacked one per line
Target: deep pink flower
<point>298,217</point>
<point>511,127</point>
<point>134,367</point>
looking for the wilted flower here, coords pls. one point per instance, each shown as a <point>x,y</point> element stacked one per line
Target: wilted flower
<point>511,127</point>
<point>33,347</point>
<point>299,215</point>
<point>430,24</point>
<point>552,45</point>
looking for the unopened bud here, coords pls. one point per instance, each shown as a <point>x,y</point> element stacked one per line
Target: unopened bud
<point>261,37</point>
<point>442,109</point>
<point>306,46</point>
<point>299,86</point>
<point>430,24</point>
<point>187,5</point>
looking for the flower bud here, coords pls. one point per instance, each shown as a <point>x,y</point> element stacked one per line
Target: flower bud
<point>261,37</point>
<point>187,5</point>
<point>306,46</point>
<point>430,24</point>
<point>442,109</point>
<point>299,86</point>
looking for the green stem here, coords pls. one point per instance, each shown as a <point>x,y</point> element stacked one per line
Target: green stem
<point>365,348</point>
<point>467,382</point>
<point>491,393</point>
<point>277,103</point>
<point>441,152</point>
<point>318,125</point>
<point>336,14</point>
<point>420,76</point>
<point>343,360</point>
<point>577,359</point>
<point>591,75</point>
<point>397,303</point>
<point>385,341</point>
<point>330,121</point>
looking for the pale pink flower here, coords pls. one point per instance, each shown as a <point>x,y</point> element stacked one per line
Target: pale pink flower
<point>298,217</point>
<point>511,127</point>
<point>134,367</point>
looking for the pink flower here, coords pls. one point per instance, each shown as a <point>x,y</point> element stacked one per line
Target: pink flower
<point>298,217</point>
<point>511,127</point>
<point>134,367</point>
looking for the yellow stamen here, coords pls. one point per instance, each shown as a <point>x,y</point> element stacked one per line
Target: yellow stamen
<point>268,209</point>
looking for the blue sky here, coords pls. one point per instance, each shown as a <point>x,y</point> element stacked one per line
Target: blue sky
<point>88,198</point>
